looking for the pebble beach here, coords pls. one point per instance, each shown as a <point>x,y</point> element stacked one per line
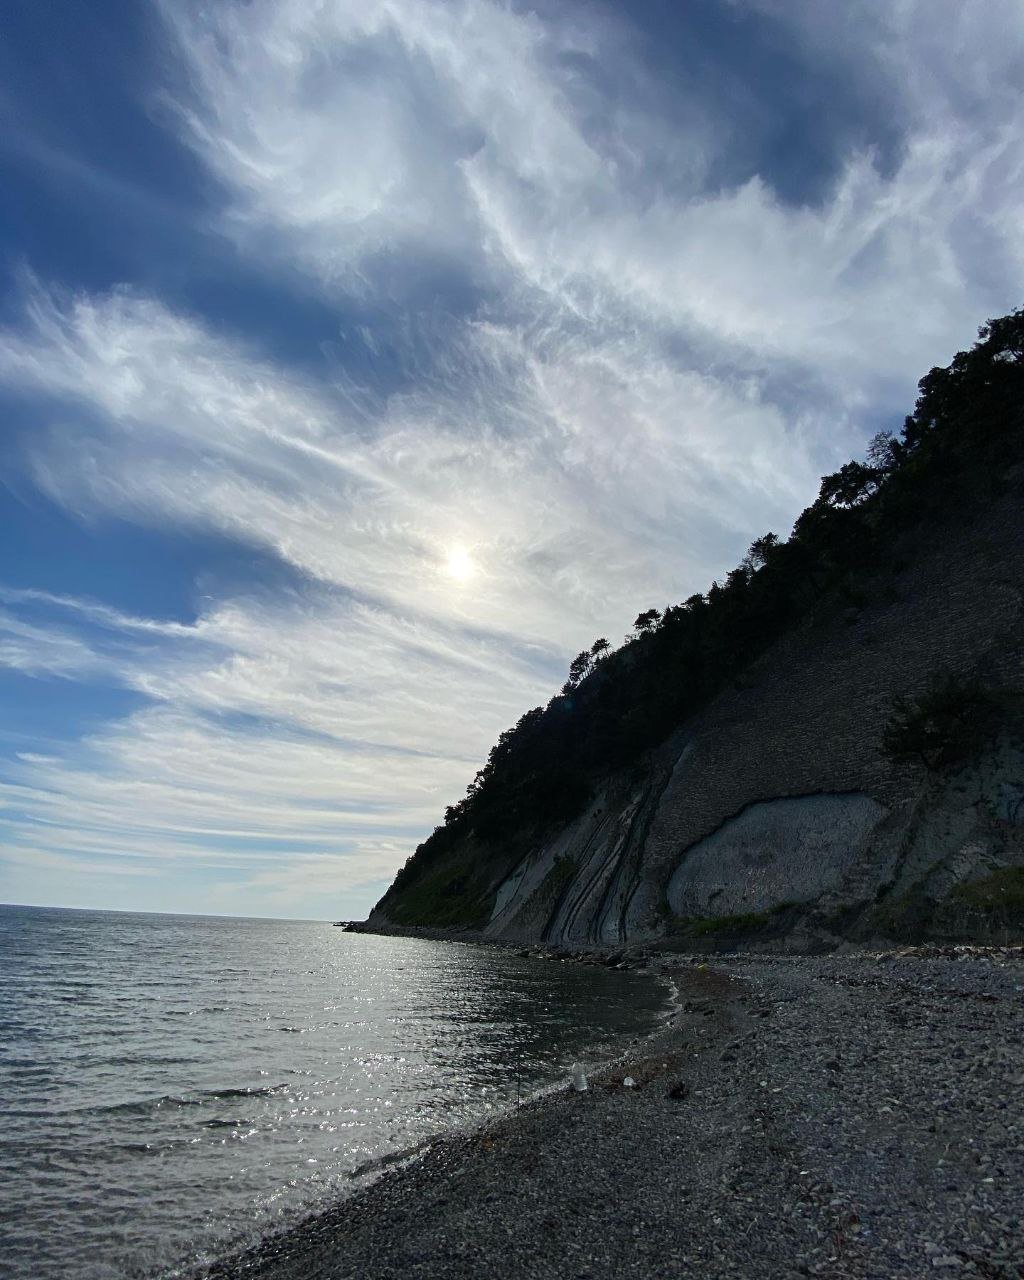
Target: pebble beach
<point>845,1116</point>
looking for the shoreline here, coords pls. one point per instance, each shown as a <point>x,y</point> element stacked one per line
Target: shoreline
<point>396,1175</point>
<point>842,1116</point>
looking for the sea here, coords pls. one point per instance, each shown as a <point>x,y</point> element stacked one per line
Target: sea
<point>174,1088</point>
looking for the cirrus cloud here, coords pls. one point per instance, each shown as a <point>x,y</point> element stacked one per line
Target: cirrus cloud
<point>598,370</point>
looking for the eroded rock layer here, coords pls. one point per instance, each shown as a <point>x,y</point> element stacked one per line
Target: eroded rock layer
<point>778,795</point>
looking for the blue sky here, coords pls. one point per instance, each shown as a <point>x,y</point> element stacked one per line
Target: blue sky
<point>359,364</point>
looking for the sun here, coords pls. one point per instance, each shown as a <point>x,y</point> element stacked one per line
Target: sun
<point>459,564</point>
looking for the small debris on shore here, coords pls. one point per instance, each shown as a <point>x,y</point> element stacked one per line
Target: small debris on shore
<point>870,1128</point>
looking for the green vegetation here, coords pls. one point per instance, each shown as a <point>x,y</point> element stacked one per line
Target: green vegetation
<point>442,898</point>
<point>947,725</point>
<point>989,909</point>
<point>745,922</point>
<point>954,453</point>
<point>701,926</point>
<point>1001,893</point>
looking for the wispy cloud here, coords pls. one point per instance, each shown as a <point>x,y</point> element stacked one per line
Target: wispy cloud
<point>313,731</point>
<point>35,650</point>
<point>512,456</point>
<point>425,124</point>
<point>635,372</point>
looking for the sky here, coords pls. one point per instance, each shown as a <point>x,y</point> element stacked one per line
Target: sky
<point>360,363</point>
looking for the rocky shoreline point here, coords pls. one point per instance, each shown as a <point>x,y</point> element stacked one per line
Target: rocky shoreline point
<point>843,1116</point>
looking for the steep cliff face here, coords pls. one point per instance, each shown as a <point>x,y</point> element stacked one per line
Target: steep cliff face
<point>780,800</point>
<point>777,800</point>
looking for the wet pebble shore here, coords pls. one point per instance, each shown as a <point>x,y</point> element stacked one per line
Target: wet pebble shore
<point>843,1116</point>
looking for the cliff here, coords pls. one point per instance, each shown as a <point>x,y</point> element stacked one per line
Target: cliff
<point>789,800</point>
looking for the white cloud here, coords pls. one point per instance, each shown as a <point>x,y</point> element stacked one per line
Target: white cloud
<point>172,792</point>
<point>574,497</point>
<point>364,117</point>
<point>864,289</point>
<point>654,373</point>
<point>40,651</point>
<point>516,458</point>
<point>46,860</point>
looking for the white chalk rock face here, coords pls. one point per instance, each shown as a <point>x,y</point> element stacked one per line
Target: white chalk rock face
<point>776,851</point>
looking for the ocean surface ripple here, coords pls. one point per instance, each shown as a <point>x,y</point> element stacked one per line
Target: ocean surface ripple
<point>176,1086</point>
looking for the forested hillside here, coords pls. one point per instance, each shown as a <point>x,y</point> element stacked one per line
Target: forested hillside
<point>957,452</point>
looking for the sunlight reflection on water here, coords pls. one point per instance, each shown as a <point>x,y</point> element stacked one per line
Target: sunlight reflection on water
<point>173,1085</point>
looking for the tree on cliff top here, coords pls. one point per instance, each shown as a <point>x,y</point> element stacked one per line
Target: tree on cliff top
<point>955,451</point>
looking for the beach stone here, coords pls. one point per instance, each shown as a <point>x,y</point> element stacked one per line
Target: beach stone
<point>808,1180</point>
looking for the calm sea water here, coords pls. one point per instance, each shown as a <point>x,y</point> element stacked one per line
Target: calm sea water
<point>174,1086</point>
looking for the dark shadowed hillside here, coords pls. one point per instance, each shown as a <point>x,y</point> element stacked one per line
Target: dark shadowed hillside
<point>826,743</point>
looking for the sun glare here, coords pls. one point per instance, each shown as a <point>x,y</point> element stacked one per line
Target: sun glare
<point>459,565</point>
